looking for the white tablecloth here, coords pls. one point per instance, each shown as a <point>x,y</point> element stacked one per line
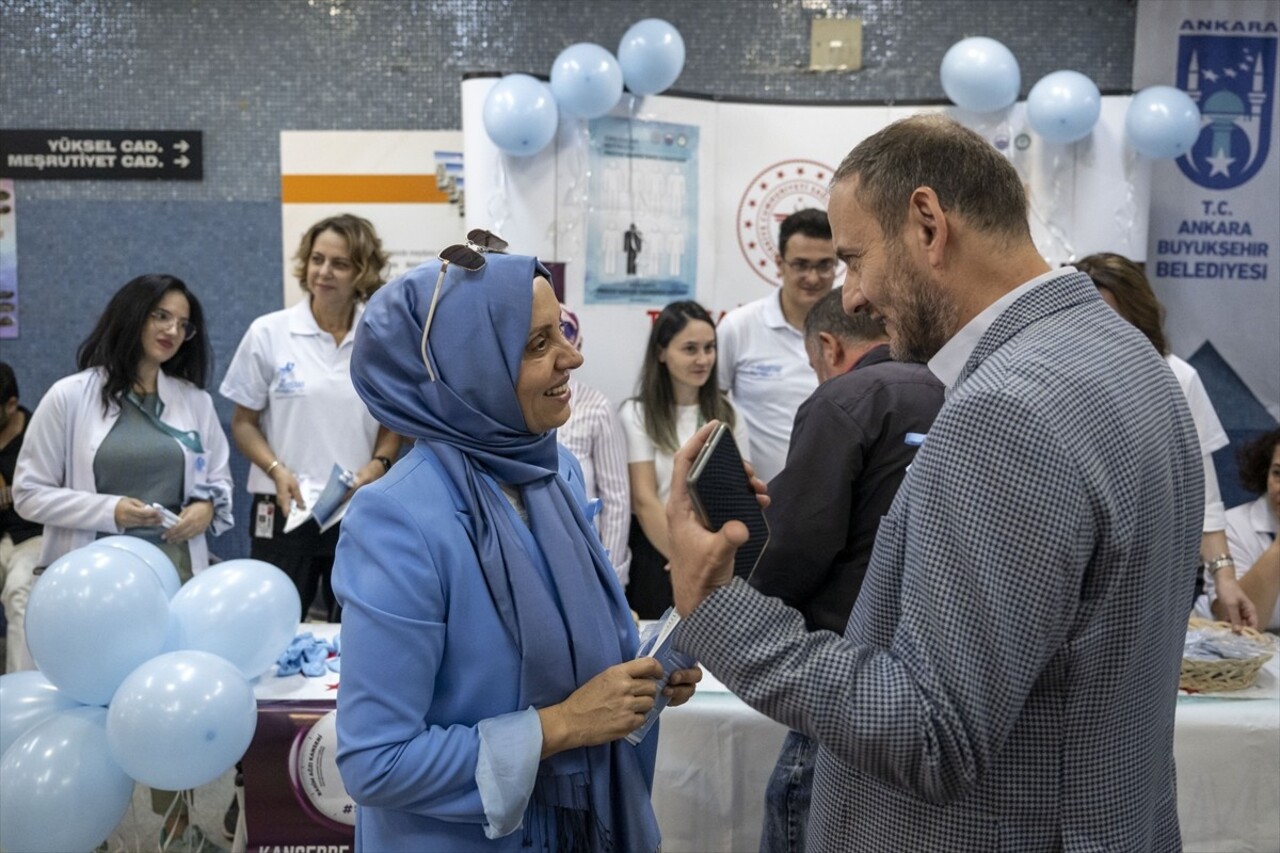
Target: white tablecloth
<point>1228,754</point>
<point>715,755</point>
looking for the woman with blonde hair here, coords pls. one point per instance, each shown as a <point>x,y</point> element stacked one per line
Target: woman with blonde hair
<point>297,413</point>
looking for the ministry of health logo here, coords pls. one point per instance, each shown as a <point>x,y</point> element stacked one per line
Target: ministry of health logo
<point>1232,79</point>
<point>773,195</point>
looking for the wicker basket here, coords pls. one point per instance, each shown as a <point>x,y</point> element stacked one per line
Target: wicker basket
<point>1217,676</point>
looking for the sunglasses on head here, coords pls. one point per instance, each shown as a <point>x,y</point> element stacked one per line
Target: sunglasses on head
<point>470,257</point>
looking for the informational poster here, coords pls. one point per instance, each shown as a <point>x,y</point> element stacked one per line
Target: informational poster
<point>750,165</point>
<point>1215,234</point>
<point>408,183</point>
<point>8,261</point>
<point>642,220</point>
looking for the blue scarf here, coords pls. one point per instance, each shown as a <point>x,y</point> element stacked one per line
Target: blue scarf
<point>569,620</point>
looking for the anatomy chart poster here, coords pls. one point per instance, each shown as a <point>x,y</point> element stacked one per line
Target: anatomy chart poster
<point>642,212</point>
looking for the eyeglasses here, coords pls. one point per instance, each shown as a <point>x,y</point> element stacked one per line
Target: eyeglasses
<point>569,327</point>
<point>824,268</point>
<point>165,320</point>
<point>469,256</point>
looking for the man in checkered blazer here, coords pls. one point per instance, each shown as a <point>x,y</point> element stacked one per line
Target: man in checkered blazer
<point>1008,675</point>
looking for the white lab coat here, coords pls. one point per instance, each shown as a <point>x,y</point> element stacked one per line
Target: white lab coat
<point>54,483</point>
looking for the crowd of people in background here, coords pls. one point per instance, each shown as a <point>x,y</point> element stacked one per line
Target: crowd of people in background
<point>828,407</point>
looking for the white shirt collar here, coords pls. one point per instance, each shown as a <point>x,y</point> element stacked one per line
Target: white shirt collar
<point>1260,517</point>
<point>773,316</point>
<point>949,361</point>
<point>303,322</point>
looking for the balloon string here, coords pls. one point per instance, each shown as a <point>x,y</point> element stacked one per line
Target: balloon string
<point>631,144</point>
<point>498,203</point>
<point>1126,213</point>
<point>1046,215</point>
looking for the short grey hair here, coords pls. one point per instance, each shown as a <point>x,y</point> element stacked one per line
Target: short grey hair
<point>970,177</point>
<point>827,315</point>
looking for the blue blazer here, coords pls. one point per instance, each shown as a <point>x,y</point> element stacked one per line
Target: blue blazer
<point>425,659</point>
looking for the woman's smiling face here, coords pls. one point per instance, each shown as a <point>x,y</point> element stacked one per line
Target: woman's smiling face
<point>542,388</point>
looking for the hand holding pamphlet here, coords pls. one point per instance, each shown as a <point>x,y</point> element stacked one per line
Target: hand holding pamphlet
<point>655,642</point>
<point>326,503</point>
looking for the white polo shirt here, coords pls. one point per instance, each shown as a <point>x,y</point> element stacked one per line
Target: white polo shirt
<point>1211,434</point>
<point>640,447</point>
<point>761,362</point>
<point>291,370</point>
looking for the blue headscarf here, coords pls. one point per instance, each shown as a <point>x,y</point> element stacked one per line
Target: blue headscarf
<point>570,622</point>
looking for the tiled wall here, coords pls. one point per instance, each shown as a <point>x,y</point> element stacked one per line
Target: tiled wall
<point>243,70</point>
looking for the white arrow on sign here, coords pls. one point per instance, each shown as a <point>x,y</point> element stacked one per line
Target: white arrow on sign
<point>181,146</point>
<point>182,161</point>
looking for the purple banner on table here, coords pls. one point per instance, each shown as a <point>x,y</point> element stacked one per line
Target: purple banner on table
<point>293,796</point>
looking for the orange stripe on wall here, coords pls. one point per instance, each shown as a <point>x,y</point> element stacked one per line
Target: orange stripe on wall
<point>373,189</point>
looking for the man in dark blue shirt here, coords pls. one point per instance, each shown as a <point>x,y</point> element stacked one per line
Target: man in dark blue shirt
<point>851,444</point>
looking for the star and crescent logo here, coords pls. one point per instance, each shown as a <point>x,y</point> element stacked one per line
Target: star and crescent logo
<point>1232,80</point>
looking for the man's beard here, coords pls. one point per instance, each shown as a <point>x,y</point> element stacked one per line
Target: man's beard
<point>923,317</point>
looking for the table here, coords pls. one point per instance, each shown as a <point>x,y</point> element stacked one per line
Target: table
<point>714,758</point>
<point>293,796</point>
<point>715,755</point>
<point>1228,755</point>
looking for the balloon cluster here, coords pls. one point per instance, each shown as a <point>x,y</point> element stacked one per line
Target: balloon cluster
<point>981,75</point>
<point>521,113</point>
<point>140,678</point>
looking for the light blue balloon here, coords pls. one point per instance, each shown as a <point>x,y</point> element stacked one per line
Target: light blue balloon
<point>1162,122</point>
<point>60,789</point>
<point>151,555</point>
<point>1064,106</point>
<point>93,616</point>
<point>181,720</point>
<point>981,75</point>
<point>520,115</point>
<point>26,700</point>
<point>586,80</point>
<point>243,610</point>
<point>651,55</point>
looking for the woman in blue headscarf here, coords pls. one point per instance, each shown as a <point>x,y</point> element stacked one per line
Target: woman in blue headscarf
<point>488,673</point>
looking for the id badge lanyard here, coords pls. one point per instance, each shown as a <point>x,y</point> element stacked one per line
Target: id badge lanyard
<point>189,439</point>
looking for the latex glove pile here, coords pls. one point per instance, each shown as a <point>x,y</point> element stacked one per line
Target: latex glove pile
<point>311,656</point>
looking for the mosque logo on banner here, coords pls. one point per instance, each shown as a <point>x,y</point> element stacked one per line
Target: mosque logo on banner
<point>777,192</point>
<point>1232,78</point>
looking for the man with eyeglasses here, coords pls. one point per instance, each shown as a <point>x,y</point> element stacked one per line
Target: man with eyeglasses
<point>761,357</point>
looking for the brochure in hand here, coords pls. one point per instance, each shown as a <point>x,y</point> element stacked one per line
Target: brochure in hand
<point>655,642</point>
<point>326,503</point>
